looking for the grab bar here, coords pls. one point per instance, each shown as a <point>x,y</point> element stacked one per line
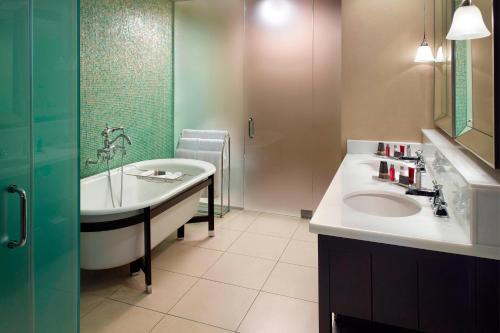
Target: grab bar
<point>24,220</point>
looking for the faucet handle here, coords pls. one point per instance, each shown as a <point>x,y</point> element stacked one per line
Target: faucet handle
<point>108,130</point>
<point>436,186</point>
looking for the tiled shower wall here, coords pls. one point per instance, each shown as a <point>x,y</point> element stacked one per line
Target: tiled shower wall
<point>126,77</point>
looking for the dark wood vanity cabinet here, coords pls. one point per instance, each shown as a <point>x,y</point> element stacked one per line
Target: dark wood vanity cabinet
<point>446,292</point>
<point>408,288</point>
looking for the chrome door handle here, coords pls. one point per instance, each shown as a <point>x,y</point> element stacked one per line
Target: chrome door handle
<point>251,128</point>
<point>24,213</point>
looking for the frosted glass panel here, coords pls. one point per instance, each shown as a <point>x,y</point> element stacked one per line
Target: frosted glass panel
<point>55,204</point>
<point>279,58</point>
<point>208,88</point>
<point>16,287</point>
<point>39,285</point>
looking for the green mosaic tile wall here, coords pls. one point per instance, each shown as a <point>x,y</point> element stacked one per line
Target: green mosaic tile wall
<point>126,77</point>
<point>463,85</point>
<point>460,86</point>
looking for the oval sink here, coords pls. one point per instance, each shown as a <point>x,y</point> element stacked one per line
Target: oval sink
<point>384,204</point>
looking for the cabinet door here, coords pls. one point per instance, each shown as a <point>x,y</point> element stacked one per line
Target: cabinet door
<point>351,278</point>
<point>487,295</point>
<point>394,283</point>
<point>446,285</point>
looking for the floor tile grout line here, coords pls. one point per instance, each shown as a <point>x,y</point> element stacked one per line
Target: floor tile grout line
<point>245,229</point>
<point>159,321</point>
<point>240,254</point>
<point>260,291</point>
<point>202,277</point>
<point>183,295</point>
<point>287,296</point>
<point>199,278</point>
<point>199,322</point>
<point>136,306</point>
<point>103,299</point>
<point>207,279</point>
<point>156,324</point>
<point>234,241</point>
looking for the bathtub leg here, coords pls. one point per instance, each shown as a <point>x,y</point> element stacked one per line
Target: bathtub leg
<point>180,233</point>
<point>211,220</point>
<point>147,249</point>
<point>135,267</point>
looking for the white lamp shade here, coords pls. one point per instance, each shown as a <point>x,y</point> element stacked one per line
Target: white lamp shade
<point>467,23</point>
<point>440,55</point>
<point>424,53</point>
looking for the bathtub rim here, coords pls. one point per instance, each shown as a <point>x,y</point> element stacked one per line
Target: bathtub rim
<point>209,170</point>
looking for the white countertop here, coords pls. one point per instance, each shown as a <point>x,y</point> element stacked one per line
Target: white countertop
<point>422,230</point>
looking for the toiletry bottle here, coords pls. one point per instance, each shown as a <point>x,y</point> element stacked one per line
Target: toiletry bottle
<point>392,173</point>
<point>394,153</point>
<point>408,150</point>
<point>403,176</point>
<point>387,150</point>
<point>383,173</point>
<point>402,150</point>
<point>402,171</point>
<point>411,175</point>
<point>380,148</point>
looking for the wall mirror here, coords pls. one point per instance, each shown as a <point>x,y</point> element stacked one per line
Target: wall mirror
<point>464,103</point>
<point>443,106</point>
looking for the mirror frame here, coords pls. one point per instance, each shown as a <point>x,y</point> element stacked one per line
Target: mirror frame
<point>496,94</point>
<point>496,79</point>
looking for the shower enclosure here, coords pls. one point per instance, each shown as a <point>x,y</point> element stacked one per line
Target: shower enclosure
<point>268,71</point>
<point>39,212</point>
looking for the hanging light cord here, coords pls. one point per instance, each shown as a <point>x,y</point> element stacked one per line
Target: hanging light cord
<point>425,12</point>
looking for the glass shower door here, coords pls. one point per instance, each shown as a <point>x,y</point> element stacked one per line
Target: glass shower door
<point>16,283</point>
<point>39,183</point>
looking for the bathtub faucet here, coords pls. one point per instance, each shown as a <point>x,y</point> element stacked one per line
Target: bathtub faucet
<point>107,153</point>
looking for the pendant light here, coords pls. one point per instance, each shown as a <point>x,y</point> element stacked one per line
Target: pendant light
<point>440,55</point>
<point>467,23</point>
<point>424,52</point>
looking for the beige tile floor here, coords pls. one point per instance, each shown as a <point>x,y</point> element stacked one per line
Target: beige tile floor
<point>257,275</point>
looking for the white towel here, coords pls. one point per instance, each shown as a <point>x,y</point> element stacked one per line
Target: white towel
<point>204,134</point>
<point>201,144</point>
<point>215,159</point>
<point>212,157</point>
<point>186,153</point>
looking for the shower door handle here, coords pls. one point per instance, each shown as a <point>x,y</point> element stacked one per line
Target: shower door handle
<point>251,128</point>
<point>24,219</point>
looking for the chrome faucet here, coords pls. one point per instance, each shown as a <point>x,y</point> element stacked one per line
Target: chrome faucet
<point>419,169</point>
<point>437,198</point>
<point>107,153</point>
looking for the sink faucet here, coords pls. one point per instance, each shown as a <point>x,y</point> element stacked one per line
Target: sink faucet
<point>437,198</point>
<point>419,168</point>
<point>110,147</point>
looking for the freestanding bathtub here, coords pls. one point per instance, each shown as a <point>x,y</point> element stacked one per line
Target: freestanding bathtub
<point>115,236</point>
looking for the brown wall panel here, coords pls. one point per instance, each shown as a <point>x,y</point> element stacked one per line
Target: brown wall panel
<point>327,65</point>
<point>385,95</point>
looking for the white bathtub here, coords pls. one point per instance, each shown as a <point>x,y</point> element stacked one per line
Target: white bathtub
<point>107,249</point>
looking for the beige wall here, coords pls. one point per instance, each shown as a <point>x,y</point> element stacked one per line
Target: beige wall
<point>327,44</point>
<point>385,95</point>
